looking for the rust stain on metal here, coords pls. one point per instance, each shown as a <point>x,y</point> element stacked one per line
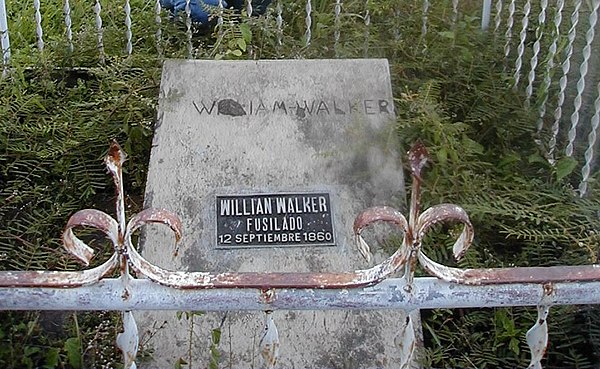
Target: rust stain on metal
<point>548,289</point>
<point>536,275</point>
<point>123,263</point>
<point>126,294</point>
<point>116,156</point>
<point>88,218</point>
<point>57,279</point>
<point>277,280</point>
<point>156,216</point>
<point>269,342</point>
<point>448,213</point>
<point>93,218</point>
<point>378,214</point>
<point>417,158</point>
<point>410,251</point>
<point>267,295</point>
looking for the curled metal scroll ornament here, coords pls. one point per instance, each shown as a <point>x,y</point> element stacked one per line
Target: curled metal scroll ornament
<point>126,255</point>
<point>120,236</point>
<point>407,256</point>
<point>417,226</point>
<point>116,230</point>
<point>419,223</point>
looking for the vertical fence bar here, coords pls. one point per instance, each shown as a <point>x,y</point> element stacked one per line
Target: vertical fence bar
<point>566,67</point>
<point>545,88</point>
<point>97,12</point>
<point>498,16</point>
<point>408,342</point>
<point>128,341</point>
<point>249,9</point>
<point>537,337</point>
<point>539,31</point>
<point>188,28</point>
<point>220,7</point>
<point>521,47</point>
<point>509,25</point>
<point>4,39</point>
<point>454,12</point>
<point>249,12</point>
<point>337,10</point>
<point>367,27</point>
<point>38,25</point>
<point>397,34</point>
<point>68,24</point>
<point>583,70</point>
<point>158,35</point>
<point>424,24</point>
<point>279,21</point>
<point>308,21</point>
<point>128,33</point>
<point>269,342</point>
<point>589,152</point>
<point>486,13</point>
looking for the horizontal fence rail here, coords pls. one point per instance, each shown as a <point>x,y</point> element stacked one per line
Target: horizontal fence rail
<point>369,289</point>
<point>426,293</point>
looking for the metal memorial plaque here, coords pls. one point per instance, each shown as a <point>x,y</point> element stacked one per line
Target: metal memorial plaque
<point>270,220</point>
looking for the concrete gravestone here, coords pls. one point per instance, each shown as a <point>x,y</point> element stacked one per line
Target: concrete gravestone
<point>267,163</point>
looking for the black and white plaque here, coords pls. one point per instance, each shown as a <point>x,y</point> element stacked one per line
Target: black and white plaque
<point>271,220</point>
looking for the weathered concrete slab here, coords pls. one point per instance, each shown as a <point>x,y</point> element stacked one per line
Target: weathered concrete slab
<point>267,163</point>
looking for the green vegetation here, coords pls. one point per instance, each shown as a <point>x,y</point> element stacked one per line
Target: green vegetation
<point>452,93</point>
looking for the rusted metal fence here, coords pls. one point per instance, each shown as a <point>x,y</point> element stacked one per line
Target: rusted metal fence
<point>155,288</point>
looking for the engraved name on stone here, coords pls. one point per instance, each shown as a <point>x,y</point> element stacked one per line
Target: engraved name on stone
<point>268,220</point>
<point>299,108</point>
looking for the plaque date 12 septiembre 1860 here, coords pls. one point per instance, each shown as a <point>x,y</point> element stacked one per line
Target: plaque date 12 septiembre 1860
<point>271,220</point>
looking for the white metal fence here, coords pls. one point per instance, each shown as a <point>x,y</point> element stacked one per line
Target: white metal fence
<point>547,44</point>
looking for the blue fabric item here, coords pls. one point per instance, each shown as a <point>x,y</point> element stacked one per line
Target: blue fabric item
<point>197,8</point>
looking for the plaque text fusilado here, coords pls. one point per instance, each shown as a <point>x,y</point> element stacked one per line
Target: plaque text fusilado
<point>271,220</point>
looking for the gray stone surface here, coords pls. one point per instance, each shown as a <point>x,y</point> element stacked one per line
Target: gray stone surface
<point>272,127</point>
